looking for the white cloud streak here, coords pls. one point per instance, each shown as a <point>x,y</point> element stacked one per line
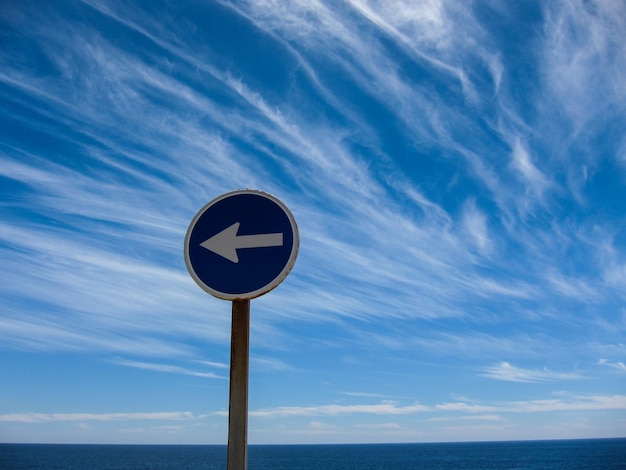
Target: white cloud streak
<point>507,372</point>
<point>334,410</point>
<point>576,403</point>
<point>65,417</point>
<point>617,366</point>
<point>169,368</point>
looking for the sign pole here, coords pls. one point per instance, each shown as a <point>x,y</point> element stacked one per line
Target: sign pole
<point>240,246</point>
<point>238,401</point>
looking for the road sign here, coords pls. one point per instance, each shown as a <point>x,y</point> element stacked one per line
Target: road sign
<point>241,245</point>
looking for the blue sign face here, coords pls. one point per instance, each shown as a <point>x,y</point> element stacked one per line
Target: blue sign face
<point>241,245</point>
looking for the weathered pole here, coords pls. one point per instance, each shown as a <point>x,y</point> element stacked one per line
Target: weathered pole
<point>238,401</point>
<point>238,267</point>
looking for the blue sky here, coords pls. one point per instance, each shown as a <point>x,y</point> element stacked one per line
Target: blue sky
<point>457,171</point>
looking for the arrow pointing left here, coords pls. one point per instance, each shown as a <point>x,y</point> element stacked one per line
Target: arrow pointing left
<point>227,242</point>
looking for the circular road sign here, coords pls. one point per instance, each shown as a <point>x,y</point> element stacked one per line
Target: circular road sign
<point>241,245</point>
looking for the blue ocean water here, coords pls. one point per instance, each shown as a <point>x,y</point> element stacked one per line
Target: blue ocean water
<point>600,454</point>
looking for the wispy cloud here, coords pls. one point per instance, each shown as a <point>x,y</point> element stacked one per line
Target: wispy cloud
<point>64,417</point>
<point>575,403</point>
<point>218,365</point>
<point>334,410</point>
<point>476,226</point>
<point>477,344</point>
<point>477,411</point>
<point>617,366</point>
<point>583,57</point>
<point>363,394</point>
<point>464,407</point>
<point>578,403</point>
<point>492,417</point>
<point>165,368</point>
<point>270,364</point>
<point>534,180</point>
<point>507,372</point>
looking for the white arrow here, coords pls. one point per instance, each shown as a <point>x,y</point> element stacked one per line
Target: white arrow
<point>227,242</point>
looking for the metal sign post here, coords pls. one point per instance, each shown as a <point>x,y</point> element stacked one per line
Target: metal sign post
<point>238,401</point>
<point>240,246</point>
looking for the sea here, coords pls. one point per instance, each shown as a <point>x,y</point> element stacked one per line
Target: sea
<point>597,454</point>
